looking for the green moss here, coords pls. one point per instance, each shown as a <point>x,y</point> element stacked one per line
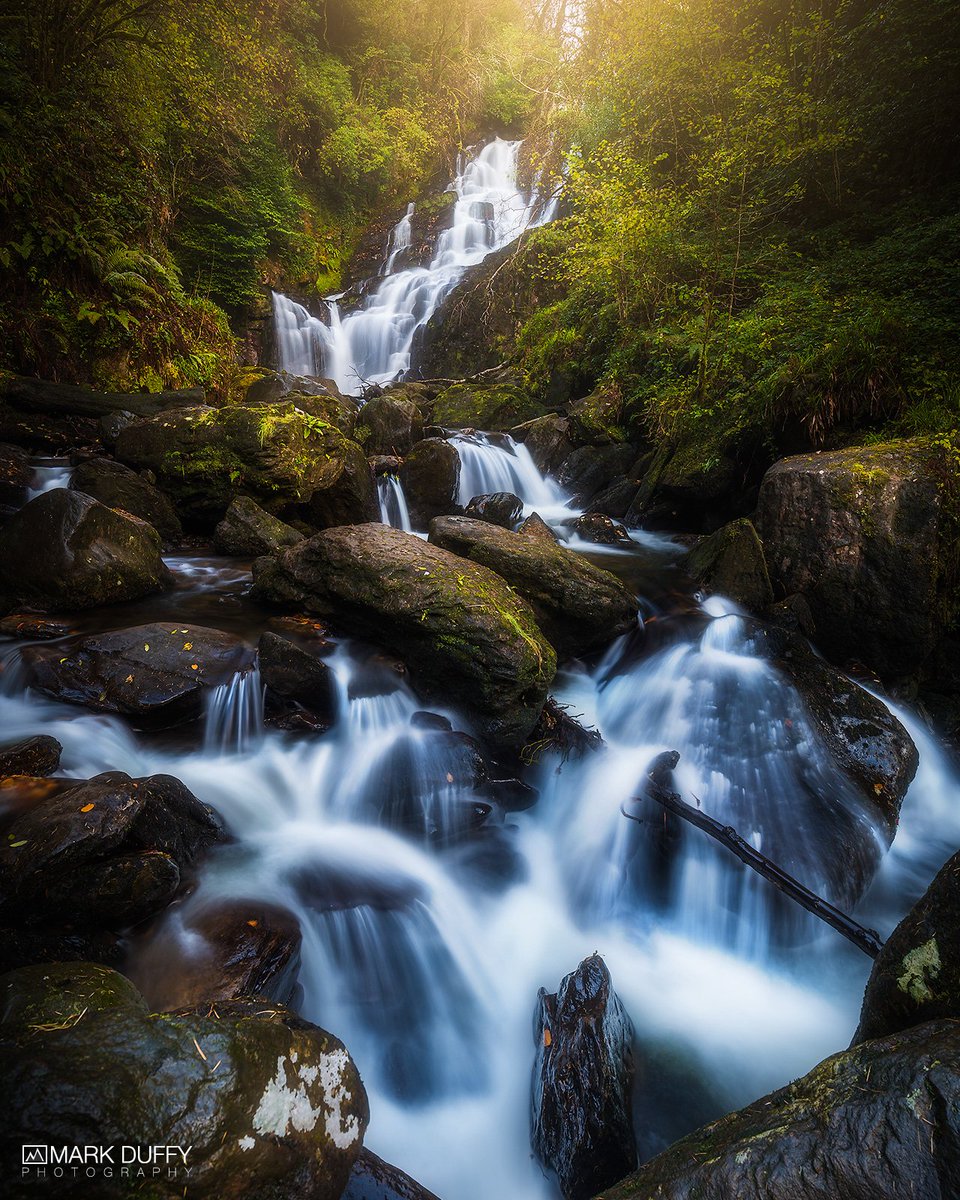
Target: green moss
<point>484,406</point>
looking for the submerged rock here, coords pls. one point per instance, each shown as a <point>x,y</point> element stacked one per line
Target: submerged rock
<point>499,508</point>
<point>431,478</point>
<point>105,853</point>
<point>582,1127</point>
<point>248,531</point>
<point>467,638</point>
<point>270,1105</point>
<point>878,1122</point>
<point>867,535</point>
<point>916,976</point>
<point>65,551</point>
<point>731,563</point>
<point>156,670</point>
<point>117,486</point>
<point>578,606</point>
<point>374,1179</point>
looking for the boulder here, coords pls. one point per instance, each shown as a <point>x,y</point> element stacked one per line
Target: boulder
<point>590,469</point>
<point>731,563</point>
<point>208,951</point>
<point>158,670</point>
<point>467,638</point>
<point>247,531</point>
<point>536,527</point>
<point>549,440</point>
<point>486,404</point>
<point>350,499</point>
<point>35,756</point>
<point>293,675</point>
<point>66,551</point>
<point>615,499</point>
<point>578,606</point>
<point>16,474</point>
<point>117,486</point>
<point>389,425</point>
<point>688,486</point>
<point>867,536</point>
<point>268,1104</point>
<point>431,479</point>
<point>499,508</point>
<point>21,947</point>
<point>916,976</point>
<point>374,1179</point>
<point>878,1122</point>
<point>105,853</point>
<point>582,1128</point>
<point>278,453</point>
<point>600,529</point>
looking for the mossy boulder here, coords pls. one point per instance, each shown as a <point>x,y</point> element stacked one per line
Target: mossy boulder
<point>389,425</point>
<point>916,976</point>
<point>690,486</point>
<point>279,454</point>
<point>868,535</point>
<point>878,1122</point>
<point>117,486</point>
<point>731,563</point>
<point>578,606</point>
<point>431,480</point>
<point>268,1104</point>
<point>248,531</point>
<point>468,639</point>
<point>474,404</point>
<point>66,551</point>
<point>550,440</point>
<point>321,398</point>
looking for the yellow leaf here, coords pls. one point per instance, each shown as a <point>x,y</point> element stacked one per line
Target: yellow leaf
<point>14,845</point>
<point>146,645</point>
<point>87,808</point>
<point>188,645</point>
<point>129,679</point>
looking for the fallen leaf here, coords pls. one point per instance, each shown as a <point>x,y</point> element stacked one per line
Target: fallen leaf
<point>88,808</point>
<point>146,645</point>
<point>253,924</point>
<point>129,679</point>
<point>547,1038</point>
<point>188,645</point>
<point>14,845</point>
<point>194,666</point>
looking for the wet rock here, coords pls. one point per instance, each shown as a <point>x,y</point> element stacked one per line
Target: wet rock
<point>536,527</point>
<point>866,536</point>
<point>731,563</point>
<point>431,479</point>
<point>351,498</point>
<point>106,853</point>
<point>216,950</point>
<point>578,606</point>
<point>158,670</point>
<point>270,1105</point>
<point>65,551</point>
<point>117,486</point>
<point>32,628</point>
<point>467,638</point>
<point>385,464</point>
<point>279,454</point>
<point>550,441</point>
<point>430,720</point>
<point>38,755</point>
<point>793,614</point>
<point>615,499</point>
<point>16,474</point>
<point>374,1179</point>
<point>600,529</point>
<point>21,947</point>
<point>916,976</point>
<point>292,674</point>
<point>590,469</point>
<point>878,1122</point>
<point>683,488</point>
<point>582,1128</point>
<point>248,531</point>
<point>377,674</point>
<point>389,425</point>
<point>490,403</point>
<point>866,740</point>
<point>499,508</point>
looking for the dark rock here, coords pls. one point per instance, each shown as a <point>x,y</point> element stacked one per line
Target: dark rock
<point>389,425</point>
<point>499,508</point>
<point>590,469</point>
<point>159,670</point>
<point>683,488</point>
<point>118,487</point>
<point>582,1127</point>
<point>377,675</point>
<point>247,531</point>
<point>373,1179</point>
<point>43,396</point>
<point>21,947</point>
<point>385,464</point>
<point>31,628</point>
<point>270,1105</point>
<point>106,853</point>
<point>219,950</point>
<point>431,480</point>
<point>430,720</point>
<point>291,673</point>
<point>615,499</point>
<point>550,442</point>
<point>878,1122</point>
<point>578,606</point>
<point>916,976</point>
<point>536,527</point>
<point>465,635</point>
<point>600,529</point>
<point>866,535</point>
<point>16,474</point>
<point>65,551</point>
<point>280,454</point>
<point>38,755</point>
<point>350,499</point>
<point>793,614</point>
<point>730,563</point>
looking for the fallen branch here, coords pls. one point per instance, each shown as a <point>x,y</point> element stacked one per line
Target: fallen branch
<point>658,777</point>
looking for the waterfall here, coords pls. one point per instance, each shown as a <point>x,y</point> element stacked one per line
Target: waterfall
<point>48,476</point>
<point>234,714</point>
<point>373,343</point>
<point>393,503</point>
<point>496,463</point>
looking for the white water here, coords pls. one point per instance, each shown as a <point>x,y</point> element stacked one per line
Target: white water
<point>393,503</point>
<point>374,342</point>
<point>48,476</point>
<point>429,969</point>
<point>496,463</point>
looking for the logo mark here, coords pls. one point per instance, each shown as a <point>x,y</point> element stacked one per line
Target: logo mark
<point>34,1156</point>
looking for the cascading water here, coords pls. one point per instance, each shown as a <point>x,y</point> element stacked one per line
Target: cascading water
<point>430,918</point>
<point>48,476</point>
<point>373,343</point>
<point>234,714</point>
<point>496,463</point>
<point>393,503</point>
